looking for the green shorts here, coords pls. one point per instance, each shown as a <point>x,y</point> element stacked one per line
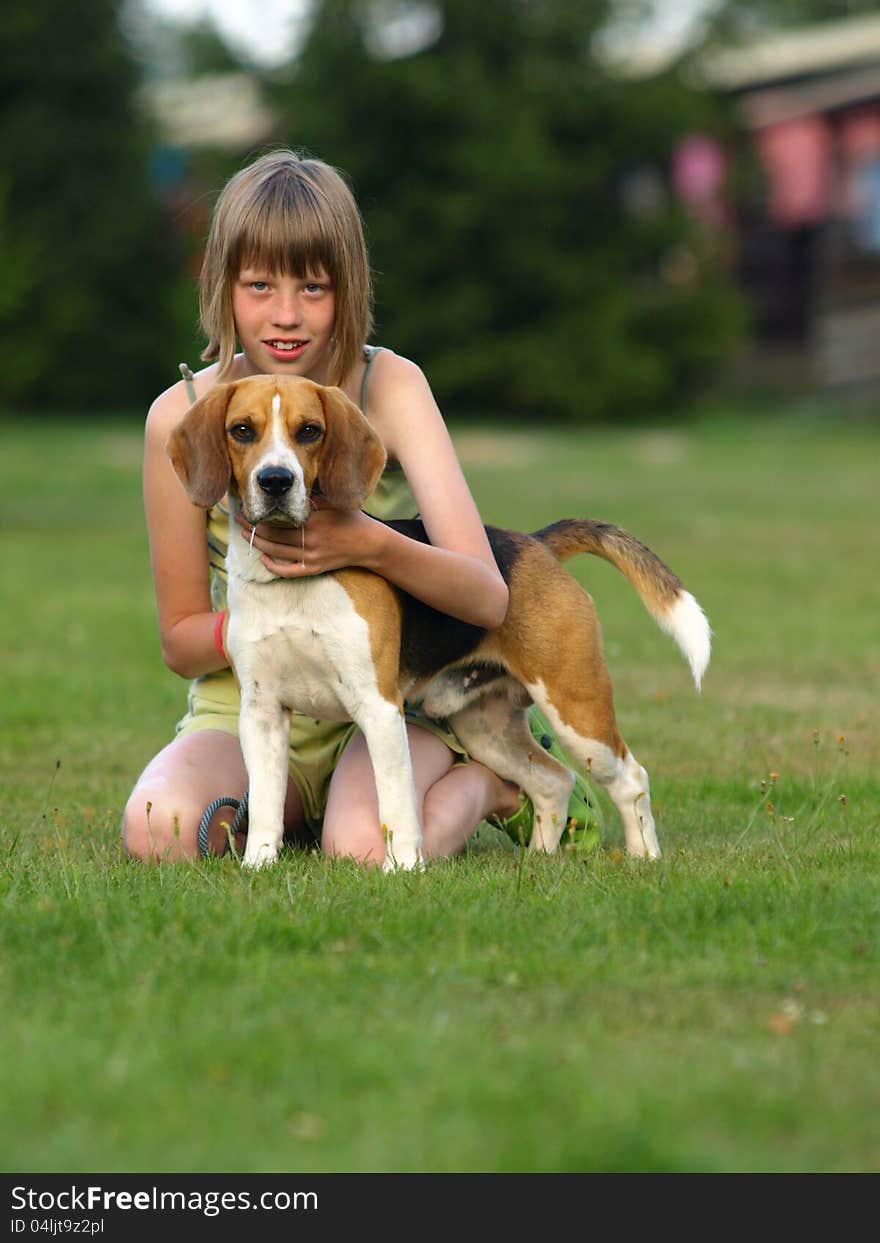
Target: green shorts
<point>315,746</point>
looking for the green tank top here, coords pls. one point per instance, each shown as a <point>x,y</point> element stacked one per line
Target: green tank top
<point>391,498</point>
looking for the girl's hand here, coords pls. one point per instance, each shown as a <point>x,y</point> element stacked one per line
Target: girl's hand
<point>330,540</point>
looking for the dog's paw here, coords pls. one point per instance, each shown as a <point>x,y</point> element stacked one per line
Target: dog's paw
<point>259,856</point>
<point>403,861</point>
<point>644,850</point>
<point>403,853</point>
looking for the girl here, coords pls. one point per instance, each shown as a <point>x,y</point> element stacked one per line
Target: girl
<point>286,274</point>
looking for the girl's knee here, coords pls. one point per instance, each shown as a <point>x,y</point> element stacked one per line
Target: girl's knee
<point>155,829</point>
<point>162,817</point>
<point>360,839</point>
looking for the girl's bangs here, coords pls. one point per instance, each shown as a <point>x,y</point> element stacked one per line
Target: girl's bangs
<point>283,232</point>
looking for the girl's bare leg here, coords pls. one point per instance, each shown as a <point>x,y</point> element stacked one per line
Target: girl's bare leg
<point>453,800</point>
<point>162,816</point>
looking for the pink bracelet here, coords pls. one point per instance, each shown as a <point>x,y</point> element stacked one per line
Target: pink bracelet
<point>218,635</point>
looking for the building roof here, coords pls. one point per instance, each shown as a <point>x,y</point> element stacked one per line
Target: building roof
<point>775,104</point>
<point>822,48</point>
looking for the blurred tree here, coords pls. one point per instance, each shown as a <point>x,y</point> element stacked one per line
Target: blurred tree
<point>490,167</point>
<point>81,299</point>
<point>204,50</point>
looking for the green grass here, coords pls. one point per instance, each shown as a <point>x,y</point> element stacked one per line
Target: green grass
<point>714,1011</point>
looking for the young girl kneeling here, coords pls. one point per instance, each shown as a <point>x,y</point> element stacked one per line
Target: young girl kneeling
<point>286,280</point>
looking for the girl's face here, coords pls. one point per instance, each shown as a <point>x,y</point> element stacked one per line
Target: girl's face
<point>284,323</point>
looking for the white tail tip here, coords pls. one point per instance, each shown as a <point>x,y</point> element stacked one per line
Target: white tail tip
<point>689,626</point>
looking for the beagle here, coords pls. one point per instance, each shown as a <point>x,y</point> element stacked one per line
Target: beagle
<point>350,646</point>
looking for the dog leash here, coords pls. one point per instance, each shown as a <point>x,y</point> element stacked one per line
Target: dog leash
<point>241,808</point>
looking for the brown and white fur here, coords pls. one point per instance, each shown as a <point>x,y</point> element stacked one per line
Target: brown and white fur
<point>351,646</point>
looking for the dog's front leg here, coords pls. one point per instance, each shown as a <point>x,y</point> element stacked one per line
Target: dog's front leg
<point>264,731</point>
<point>384,729</point>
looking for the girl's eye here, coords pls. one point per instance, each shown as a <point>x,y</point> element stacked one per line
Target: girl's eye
<point>259,285</point>
<point>314,287</point>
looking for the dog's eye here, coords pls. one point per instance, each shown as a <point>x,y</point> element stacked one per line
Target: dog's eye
<point>309,433</point>
<point>242,432</point>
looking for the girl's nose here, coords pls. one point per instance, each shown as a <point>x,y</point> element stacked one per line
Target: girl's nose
<point>285,312</point>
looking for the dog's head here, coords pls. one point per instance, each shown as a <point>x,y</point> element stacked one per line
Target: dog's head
<point>274,442</point>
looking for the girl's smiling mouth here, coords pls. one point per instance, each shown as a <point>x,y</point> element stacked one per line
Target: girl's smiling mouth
<point>282,347</point>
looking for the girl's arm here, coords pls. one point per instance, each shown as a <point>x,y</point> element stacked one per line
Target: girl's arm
<point>456,573</point>
<point>178,550</point>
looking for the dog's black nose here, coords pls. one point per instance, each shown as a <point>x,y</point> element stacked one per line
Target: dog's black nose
<point>275,480</point>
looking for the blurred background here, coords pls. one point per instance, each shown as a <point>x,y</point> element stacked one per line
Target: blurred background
<point>584,210</point>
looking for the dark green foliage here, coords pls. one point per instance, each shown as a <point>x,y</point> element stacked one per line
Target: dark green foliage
<point>489,167</point>
<point>81,306</point>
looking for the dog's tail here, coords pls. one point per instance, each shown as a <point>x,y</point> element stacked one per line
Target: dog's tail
<point>674,609</point>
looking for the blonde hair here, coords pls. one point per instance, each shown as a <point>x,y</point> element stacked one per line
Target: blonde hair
<point>291,215</point>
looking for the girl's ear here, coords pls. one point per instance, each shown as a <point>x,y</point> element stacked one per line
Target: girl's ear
<point>197,448</point>
<point>353,456</point>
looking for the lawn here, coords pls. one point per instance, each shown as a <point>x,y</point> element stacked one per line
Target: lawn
<point>716,1010</point>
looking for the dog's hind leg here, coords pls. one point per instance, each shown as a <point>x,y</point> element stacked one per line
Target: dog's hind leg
<point>264,731</point>
<point>556,654</point>
<point>630,792</point>
<point>496,732</point>
<point>596,745</point>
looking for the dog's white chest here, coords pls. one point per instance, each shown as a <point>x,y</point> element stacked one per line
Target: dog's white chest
<point>302,644</point>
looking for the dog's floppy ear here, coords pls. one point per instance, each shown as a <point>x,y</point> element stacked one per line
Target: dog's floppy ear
<point>197,448</point>
<point>353,457</point>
